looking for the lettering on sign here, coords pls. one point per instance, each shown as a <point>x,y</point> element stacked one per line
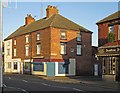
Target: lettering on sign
<point>113,50</point>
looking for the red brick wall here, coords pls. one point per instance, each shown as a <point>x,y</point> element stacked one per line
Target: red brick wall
<point>50,45</point>
<point>103,31</point>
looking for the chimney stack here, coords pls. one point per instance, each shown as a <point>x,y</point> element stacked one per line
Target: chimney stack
<point>29,19</point>
<point>51,10</point>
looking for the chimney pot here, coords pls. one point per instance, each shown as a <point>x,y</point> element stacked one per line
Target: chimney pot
<point>29,19</point>
<point>51,10</point>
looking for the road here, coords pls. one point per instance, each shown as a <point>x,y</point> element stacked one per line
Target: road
<point>27,83</point>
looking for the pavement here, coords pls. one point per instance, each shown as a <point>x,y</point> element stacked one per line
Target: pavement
<point>91,80</point>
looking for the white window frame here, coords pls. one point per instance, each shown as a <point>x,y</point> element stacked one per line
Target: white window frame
<point>38,36</point>
<point>111,27</point>
<point>8,51</point>
<point>63,35</point>
<point>78,36</point>
<point>38,48</point>
<point>79,49</point>
<point>14,42</point>
<point>26,50</point>
<point>63,48</point>
<point>27,39</point>
<point>119,32</point>
<point>8,64</point>
<point>14,52</point>
<point>8,43</point>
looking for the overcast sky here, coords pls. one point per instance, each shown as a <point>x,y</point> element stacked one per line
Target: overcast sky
<point>85,14</point>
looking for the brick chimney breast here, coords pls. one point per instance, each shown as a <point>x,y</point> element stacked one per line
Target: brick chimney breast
<point>29,19</point>
<point>51,10</point>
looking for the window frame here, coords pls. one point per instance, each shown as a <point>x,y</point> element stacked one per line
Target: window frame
<point>27,39</point>
<point>110,29</point>
<point>26,51</point>
<point>63,37</point>
<point>78,54</point>
<point>15,52</point>
<point>38,52</point>
<point>79,37</point>
<point>38,36</point>
<point>8,52</point>
<point>65,48</point>
<point>15,42</point>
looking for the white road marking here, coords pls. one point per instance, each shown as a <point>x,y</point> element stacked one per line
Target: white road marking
<point>16,88</point>
<point>4,85</point>
<point>77,89</point>
<point>9,78</point>
<point>24,81</point>
<point>62,87</point>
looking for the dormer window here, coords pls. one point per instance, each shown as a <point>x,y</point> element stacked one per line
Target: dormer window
<point>63,35</point>
<point>38,36</point>
<point>78,36</point>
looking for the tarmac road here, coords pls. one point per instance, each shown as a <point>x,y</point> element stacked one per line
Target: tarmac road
<point>28,83</point>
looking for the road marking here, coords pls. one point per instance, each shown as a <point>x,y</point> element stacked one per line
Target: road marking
<point>9,77</point>
<point>4,85</point>
<point>62,87</point>
<point>24,81</point>
<point>77,89</point>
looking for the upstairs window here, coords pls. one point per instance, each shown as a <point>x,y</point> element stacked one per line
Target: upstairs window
<point>119,32</point>
<point>27,39</point>
<point>111,29</point>
<point>38,36</point>
<point>38,49</point>
<point>8,43</point>
<point>78,49</point>
<point>14,42</point>
<point>78,36</point>
<point>8,51</point>
<point>63,35</point>
<point>26,50</point>
<point>63,48</point>
<point>14,52</point>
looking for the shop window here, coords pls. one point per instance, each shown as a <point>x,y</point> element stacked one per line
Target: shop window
<point>38,66</point>
<point>27,66</point>
<point>15,65</point>
<point>63,67</point>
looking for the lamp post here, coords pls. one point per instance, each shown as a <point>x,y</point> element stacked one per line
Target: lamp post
<point>1,71</point>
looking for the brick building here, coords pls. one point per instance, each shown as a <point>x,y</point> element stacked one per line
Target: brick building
<point>109,46</point>
<point>51,46</point>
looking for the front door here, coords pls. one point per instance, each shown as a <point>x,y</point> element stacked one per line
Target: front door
<point>95,69</point>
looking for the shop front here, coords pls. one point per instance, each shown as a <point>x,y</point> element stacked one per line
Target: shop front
<point>110,58</point>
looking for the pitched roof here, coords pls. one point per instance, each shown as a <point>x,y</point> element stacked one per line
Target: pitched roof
<point>56,20</point>
<point>113,16</point>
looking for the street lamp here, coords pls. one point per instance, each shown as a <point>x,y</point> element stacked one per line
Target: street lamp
<point>1,70</point>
